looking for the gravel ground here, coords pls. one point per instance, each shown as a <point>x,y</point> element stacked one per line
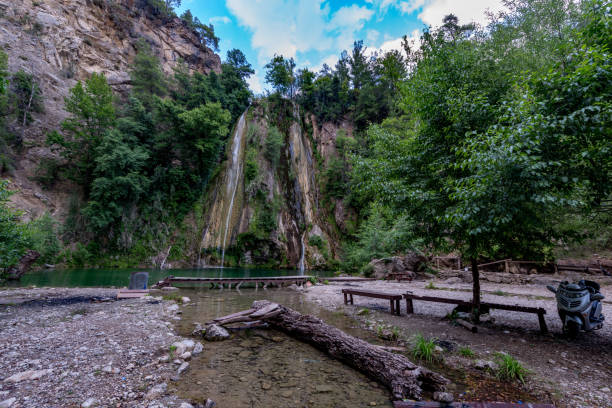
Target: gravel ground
<point>60,348</point>
<point>576,373</point>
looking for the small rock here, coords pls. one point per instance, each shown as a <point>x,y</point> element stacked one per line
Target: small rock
<point>164,359</point>
<point>198,348</point>
<point>484,318</point>
<point>183,367</point>
<point>215,333</point>
<point>605,389</point>
<point>552,362</point>
<point>186,356</point>
<point>324,388</point>
<point>286,394</point>
<point>443,396</point>
<point>173,308</point>
<point>28,375</point>
<point>8,402</point>
<point>266,386</point>
<point>157,391</point>
<point>197,331</point>
<point>90,402</point>
<point>209,404</point>
<point>185,405</point>
<point>185,299</point>
<point>438,349</point>
<point>169,289</point>
<point>485,364</point>
<point>373,404</point>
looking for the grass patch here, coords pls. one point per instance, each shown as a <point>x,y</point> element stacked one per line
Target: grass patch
<point>424,349</point>
<point>173,296</point>
<point>431,285</point>
<point>501,293</point>
<point>82,311</point>
<point>363,312</point>
<point>509,369</point>
<point>466,352</point>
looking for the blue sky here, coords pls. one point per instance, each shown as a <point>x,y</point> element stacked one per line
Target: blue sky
<point>316,31</point>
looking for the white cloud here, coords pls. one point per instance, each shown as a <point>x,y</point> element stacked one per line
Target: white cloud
<point>255,83</point>
<point>433,11</point>
<point>219,20</point>
<point>396,44</point>
<point>346,22</point>
<point>330,60</point>
<point>372,36</point>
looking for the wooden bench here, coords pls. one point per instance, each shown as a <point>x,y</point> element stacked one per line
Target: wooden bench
<point>399,276</point>
<point>394,299</point>
<point>484,305</point>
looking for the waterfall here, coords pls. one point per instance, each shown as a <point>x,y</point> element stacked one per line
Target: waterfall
<point>301,264</point>
<point>234,176</point>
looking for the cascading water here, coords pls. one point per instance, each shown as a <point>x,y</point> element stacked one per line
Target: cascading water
<point>301,264</point>
<point>234,177</point>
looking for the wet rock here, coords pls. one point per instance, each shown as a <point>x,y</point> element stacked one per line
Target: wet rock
<point>215,332</point>
<point>28,375</point>
<point>90,402</point>
<point>157,391</point>
<point>210,404</point>
<point>443,396</point>
<point>8,403</point>
<point>183,367</point>
<point>198,348</point>
<point>197,331</point>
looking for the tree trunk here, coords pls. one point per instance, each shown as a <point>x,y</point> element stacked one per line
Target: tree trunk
<point>475,290</point>
<point>404,378</point>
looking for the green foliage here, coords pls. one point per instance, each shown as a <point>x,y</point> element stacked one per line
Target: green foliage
<point>92,114</point>
<point>148,78</point>
<point>381,235</point>
<point>424,349</point>
<point>251,168</point>
<point>14,239</point>
<point>43,237</point>
<point>509,369</point>
<point>26,96</point>
<point>205,33</point>
<point>272,146</point>
<point>466,352</point>
<point>430,285</point>
<point>280,74</point>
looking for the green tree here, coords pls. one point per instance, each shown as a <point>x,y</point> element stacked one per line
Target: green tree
<point>148,78</point>
<point>42,233</point>
<point>272,146</point>
<point>280,74</point>
<point>14,240</point>
<point>92,114</point>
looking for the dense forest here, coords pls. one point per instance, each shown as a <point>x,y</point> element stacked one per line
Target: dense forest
<point>488,141</point>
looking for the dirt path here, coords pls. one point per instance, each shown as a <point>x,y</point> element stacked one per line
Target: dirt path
<point>74,348</point>
<point>573,373</point>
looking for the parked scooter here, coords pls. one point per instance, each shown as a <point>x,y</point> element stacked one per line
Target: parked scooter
<point>579,306</point>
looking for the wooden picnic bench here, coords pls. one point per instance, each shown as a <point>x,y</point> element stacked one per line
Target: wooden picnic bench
<point>484,306</point>
<point>394,299</point>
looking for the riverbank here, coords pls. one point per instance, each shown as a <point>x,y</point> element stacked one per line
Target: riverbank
<point>81,348</point>
<point>572,374</point>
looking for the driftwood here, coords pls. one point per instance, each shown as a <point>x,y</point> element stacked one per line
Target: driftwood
<point>404,378</point>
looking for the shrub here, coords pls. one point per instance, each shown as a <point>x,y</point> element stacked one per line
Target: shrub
<point>43,235</point>
<point>509,369</point>
<point>431,286</point>
<point>423,349</point>
<point>272,147</point>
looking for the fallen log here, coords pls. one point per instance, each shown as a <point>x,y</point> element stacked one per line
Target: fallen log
<point>404,378</point>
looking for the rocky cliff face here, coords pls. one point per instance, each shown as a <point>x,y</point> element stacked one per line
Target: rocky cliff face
<point>264,211</point>
<point>62,41</point>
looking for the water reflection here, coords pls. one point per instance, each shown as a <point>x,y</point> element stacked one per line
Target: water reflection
<point>266,368</point>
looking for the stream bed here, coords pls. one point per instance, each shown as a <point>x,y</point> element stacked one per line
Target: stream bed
<point>266,368</point>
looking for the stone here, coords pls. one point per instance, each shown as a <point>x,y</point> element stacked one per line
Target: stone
<point>409,263</point>
<point>185,299</point>
<point>156,391</point>
<point>169,289</point>
<point>198,348</point>
<point>185,405</point>
<point>164,359</point>
<point>89,402</point>
<point>210,404</point>
<point>484,318</point>
<point>173,308</point>
<point>183,367</point>
<point>485,364</point>
<point>446,397</point>
<point>185,356</point>
<point>28,375</point>
<point>605,389</point>
<point>286,394</point>
<point>215,332</point>
<point>198,330</point>
<point>324,388</point>
<point>266,385</point>
<point>8,403</point>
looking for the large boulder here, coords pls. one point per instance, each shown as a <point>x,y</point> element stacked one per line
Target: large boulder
<point>215,332</point>
<point>412,262</point>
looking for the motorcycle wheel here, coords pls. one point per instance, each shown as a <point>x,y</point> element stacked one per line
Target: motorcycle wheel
<point>572,329</point>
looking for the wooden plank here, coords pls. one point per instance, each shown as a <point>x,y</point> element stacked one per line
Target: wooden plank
<point>493,263</point>
<point>437,299</point>
<point>514,308</point>
<point>372,294</point>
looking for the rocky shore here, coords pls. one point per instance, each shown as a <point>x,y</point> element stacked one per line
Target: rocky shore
<point>82,348</point>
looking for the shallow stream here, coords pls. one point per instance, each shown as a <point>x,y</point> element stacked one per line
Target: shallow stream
<point>266,368</point>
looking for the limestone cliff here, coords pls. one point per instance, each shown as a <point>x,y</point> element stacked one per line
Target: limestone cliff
<point>62,41</point>
<point>262,210</point>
